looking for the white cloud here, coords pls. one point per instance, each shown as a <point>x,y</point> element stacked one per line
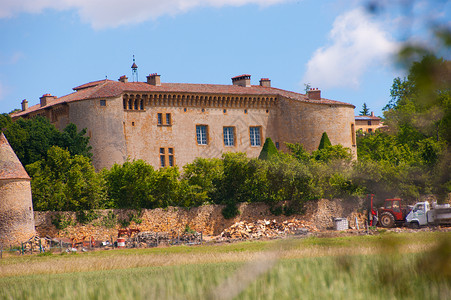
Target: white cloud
<point>113,13</point>
<point>358,44</point>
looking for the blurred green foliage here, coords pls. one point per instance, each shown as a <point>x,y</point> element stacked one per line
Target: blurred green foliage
<point>413,157</point>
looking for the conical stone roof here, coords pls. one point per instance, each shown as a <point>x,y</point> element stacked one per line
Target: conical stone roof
<point>10,166</point>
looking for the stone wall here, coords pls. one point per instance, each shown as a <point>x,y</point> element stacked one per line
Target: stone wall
<point>16,211</point>
<point>207,219</point>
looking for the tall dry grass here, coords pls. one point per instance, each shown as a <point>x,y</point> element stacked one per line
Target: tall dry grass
<point>353,268</point>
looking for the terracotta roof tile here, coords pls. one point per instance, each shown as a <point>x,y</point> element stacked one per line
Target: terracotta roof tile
<point>241,76</point>
<point>109,88</point>
<point>10,166</point>
<point>367,118</point>
<point>90,84</point>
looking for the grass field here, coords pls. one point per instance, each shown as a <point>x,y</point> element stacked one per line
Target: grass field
<point>386,266</point>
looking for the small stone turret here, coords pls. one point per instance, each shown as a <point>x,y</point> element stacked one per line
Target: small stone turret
<point>16,207</point>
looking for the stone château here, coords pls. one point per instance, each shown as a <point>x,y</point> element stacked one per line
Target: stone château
<point>173,123</point>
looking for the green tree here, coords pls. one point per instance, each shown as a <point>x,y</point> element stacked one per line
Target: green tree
<point>5,121</point>
<point>325,142</point>
<point>63,182</point>
<point>32,138</point>
<point>232,189</point>
<point>269,150</point>
<point>421,103</point>
<point>384,147</point>
<point>365,110</point>
<point>331,153</point>
<point>200,180</point>
<point>419,116</point>
<point>290,183</point>
<point>137,185</point>
<point>165,187</point>
<point>298,151</point>
<point>236,170</point>
<point>76,142</point>
<point>130,185</point>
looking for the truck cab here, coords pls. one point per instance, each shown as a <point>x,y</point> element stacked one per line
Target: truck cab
<point>418,216</point>
<point>425,214</point>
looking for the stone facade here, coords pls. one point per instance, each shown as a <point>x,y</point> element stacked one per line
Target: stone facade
<point>173,123</point>
<point>369,124</point>
<point>16,208</point>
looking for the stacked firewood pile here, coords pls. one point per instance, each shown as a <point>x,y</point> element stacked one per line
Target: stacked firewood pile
<point>189,238</point>
<point>266,229</point>
<point>36,244</point>
<point>153,239</point>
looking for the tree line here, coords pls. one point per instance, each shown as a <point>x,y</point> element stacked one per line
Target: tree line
<point>411,159</point>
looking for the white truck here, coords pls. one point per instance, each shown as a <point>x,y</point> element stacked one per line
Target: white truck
<point>423,214</point>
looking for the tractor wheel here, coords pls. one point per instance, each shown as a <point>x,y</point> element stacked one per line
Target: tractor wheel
<point>387,220</point>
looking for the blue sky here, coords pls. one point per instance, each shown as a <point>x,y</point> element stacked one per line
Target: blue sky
<point>51,46</point>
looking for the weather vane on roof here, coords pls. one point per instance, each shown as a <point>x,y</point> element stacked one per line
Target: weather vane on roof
<point>134,71</point>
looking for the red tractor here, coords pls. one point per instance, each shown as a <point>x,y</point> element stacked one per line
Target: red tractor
<point>393,213</point>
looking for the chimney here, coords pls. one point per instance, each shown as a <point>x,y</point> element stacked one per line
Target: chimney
<point>24,104</point>
<point>314,94</point>
<point>154,79</point>
<point>45,99</point>
<point>372,113</point>
<point>242,80</point>
<point>265,82</point>
<point>123,79</point>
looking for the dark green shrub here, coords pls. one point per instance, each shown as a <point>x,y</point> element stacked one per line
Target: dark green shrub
<point>124,223</point>
<point>230,211</point>
<point>60,221</point>
<point>85,217</point>
<point>325,142</point>
<point>269,150</point>
<point>110,220</point>
<point>276,210</point>
<point>135,218</point>
<point>189,230</point>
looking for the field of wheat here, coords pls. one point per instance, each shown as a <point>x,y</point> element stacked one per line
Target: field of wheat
<point>385,266</point>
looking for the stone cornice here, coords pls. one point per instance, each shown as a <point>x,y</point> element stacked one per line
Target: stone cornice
<point>198,100</point>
